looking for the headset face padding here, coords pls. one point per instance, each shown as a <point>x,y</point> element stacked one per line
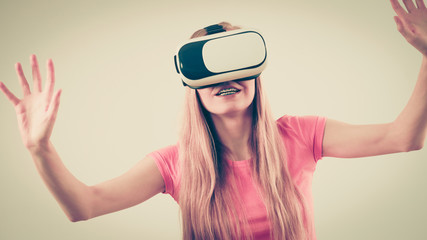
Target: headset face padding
<point>232,55</point>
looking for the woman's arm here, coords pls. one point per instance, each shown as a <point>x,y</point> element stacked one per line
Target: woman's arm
<point>408,131</point>
<point>36,113</point>
<point>82,202</point>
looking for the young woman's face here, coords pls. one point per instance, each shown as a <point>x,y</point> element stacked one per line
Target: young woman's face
<point>228,97</point>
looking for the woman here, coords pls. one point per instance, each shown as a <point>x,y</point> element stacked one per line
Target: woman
<point>273,182</point>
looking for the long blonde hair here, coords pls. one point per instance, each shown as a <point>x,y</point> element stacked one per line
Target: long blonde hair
<point>205,196</point>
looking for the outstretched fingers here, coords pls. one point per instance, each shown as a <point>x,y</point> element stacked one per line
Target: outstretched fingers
<point>36,74</point>
<point>410,6</point>
<point>9,94</point>
<point>420,4</point>
<point>50,83</point>
<point>22,80</point>
<point>398,8</point>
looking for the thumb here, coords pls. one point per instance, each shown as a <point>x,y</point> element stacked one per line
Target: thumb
<point>54,105</point>
<point>402,28</point>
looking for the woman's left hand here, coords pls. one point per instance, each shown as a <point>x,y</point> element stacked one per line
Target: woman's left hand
<point>412,22</point>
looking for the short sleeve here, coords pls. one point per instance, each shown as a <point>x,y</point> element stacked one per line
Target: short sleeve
<point>167,162</point>
<point>310,129</point>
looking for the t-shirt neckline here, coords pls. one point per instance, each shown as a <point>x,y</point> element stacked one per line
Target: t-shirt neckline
<point>239,163</point>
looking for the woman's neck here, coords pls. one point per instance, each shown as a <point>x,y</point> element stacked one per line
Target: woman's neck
<point>234,131</point>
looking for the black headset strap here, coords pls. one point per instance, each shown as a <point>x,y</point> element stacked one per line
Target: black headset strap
<point>216,28</point>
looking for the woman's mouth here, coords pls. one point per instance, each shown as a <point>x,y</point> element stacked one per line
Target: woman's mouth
<point>227,91</point>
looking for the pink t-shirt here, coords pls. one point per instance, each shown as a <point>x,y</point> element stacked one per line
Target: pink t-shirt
<point>303,137</point>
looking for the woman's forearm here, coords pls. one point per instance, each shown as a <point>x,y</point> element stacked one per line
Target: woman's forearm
<point>73,196</point>
<point>411,124</point>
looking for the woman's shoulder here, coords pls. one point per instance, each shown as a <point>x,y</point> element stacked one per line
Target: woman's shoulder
<point>303,127</point>
<point>168,153</point>
<point>300,123</point>
<point>295,120</point>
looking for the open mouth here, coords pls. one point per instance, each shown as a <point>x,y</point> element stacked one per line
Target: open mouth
<point>227,91</point>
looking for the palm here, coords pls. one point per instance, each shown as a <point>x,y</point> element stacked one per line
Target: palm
<point>32,120</point>
<point>36,111</point>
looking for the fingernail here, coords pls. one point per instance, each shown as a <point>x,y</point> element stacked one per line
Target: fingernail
<point>33,58</point>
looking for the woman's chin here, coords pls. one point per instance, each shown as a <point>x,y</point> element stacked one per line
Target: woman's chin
<point>232,111</point>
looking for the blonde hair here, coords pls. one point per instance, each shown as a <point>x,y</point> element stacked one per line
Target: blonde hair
<point>205,196</point>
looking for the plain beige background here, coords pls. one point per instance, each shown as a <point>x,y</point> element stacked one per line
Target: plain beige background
<point>122,99</point>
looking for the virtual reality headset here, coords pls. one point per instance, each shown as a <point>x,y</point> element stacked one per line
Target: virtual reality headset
<point>221,57</point>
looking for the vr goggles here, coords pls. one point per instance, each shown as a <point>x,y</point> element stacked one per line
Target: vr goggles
<point>221,57</point>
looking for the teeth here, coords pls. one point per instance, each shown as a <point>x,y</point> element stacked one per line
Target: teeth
<point>227,91</point>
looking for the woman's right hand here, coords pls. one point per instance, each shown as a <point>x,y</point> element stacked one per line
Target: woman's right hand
<point>37,110</point>
<point>36,113</point>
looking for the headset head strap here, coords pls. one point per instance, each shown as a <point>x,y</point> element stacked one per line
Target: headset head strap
<point>216,28</point>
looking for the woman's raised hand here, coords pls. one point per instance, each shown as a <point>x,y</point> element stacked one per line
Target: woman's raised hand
<point>36,111</point>
<point>412,22</point>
